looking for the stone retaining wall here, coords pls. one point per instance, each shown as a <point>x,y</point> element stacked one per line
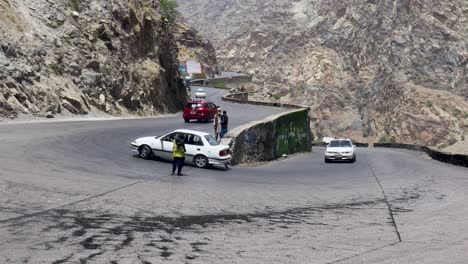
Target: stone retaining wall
<point>240,97</point>
<point>271,138</point>
<point>233,79</point>
<point>454,159</point>
<point>228,81</point>
<point>243,98</point>
<point>323,144</point>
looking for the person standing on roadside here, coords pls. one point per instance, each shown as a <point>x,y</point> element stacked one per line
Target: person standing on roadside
<point>224,124</point>
<point>217,124</point>
<point>188,82</point>
<point>178,153</point>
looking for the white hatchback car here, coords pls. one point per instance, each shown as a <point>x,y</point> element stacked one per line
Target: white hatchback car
<point>200,93</point>
<point>340,149</point>
<point>202,148</point>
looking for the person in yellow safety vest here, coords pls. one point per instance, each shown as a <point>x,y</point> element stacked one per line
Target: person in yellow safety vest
<point>178,152</point>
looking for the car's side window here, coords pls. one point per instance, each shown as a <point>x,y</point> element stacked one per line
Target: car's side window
<point>193,140</point>
<point>197,141</point>
<point>188,139</point>
<point>170,137</point>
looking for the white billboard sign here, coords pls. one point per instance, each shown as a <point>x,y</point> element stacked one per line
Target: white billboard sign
<point>193,67</point>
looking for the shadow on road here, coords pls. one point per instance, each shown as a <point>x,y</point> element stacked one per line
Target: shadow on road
<point>210,167</point>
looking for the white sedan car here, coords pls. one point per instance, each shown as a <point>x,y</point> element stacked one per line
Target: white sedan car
<point>202,148</point>
<point>200,93</point>
<point>340,149</point>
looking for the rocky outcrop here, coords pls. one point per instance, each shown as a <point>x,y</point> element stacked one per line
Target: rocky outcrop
<point>192,46</point>
<point>367,68</point>
<point>77,57</point>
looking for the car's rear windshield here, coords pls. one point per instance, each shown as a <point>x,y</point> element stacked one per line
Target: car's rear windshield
<point>211,140</point>
<point>340,143</point>
<point>193,105</point>
<point>200,90</point>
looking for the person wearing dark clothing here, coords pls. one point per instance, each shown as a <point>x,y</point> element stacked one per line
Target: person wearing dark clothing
<point>188,83</point>
<point>224,124</point>
<point>178,152</point>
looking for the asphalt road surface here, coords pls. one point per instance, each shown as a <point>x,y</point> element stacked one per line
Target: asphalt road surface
<point>70,192</point>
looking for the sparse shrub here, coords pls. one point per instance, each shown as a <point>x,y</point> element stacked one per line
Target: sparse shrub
<point>365,133</point>
<point>462,138</point>
<point>303,87</point>
<point>169,8</point>
<point>429,103</point>
<point>384,139</point>
<point>452,140</point>
<point>442,146</point>
<point>444,107</point>
<point>75,5</point>
<point>276,96</point>
<point>465,115</point>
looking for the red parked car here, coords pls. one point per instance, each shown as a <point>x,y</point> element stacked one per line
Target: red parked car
<point>200,110</point>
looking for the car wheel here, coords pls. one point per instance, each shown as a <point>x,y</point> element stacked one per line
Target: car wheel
<point>201,161</point>
<point>145,152</point>
<point>354,159</point>
<point>187,120</point>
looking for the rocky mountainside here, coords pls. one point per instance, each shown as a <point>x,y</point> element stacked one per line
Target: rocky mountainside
<point>369,69</point>
<point>86,56</point>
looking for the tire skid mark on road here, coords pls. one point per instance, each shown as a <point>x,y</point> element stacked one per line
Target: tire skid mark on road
<point>63,260</point>
<point>69,204</point>
<point>96,232</point>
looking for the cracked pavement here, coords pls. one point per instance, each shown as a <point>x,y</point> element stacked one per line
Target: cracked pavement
<point>70,192</point>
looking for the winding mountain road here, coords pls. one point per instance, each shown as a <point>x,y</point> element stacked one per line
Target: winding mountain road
<point>70,192</point>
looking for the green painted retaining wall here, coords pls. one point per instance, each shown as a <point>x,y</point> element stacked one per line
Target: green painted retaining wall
<point>269,139</point>
<point>292,133</point>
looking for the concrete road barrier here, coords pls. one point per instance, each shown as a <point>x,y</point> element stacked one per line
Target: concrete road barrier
<point>450,158</point>
<point>323,144</point>
<point>224,82</point>
<point>243,98</point>
<point>398,145</point>
<point>240,97</point>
